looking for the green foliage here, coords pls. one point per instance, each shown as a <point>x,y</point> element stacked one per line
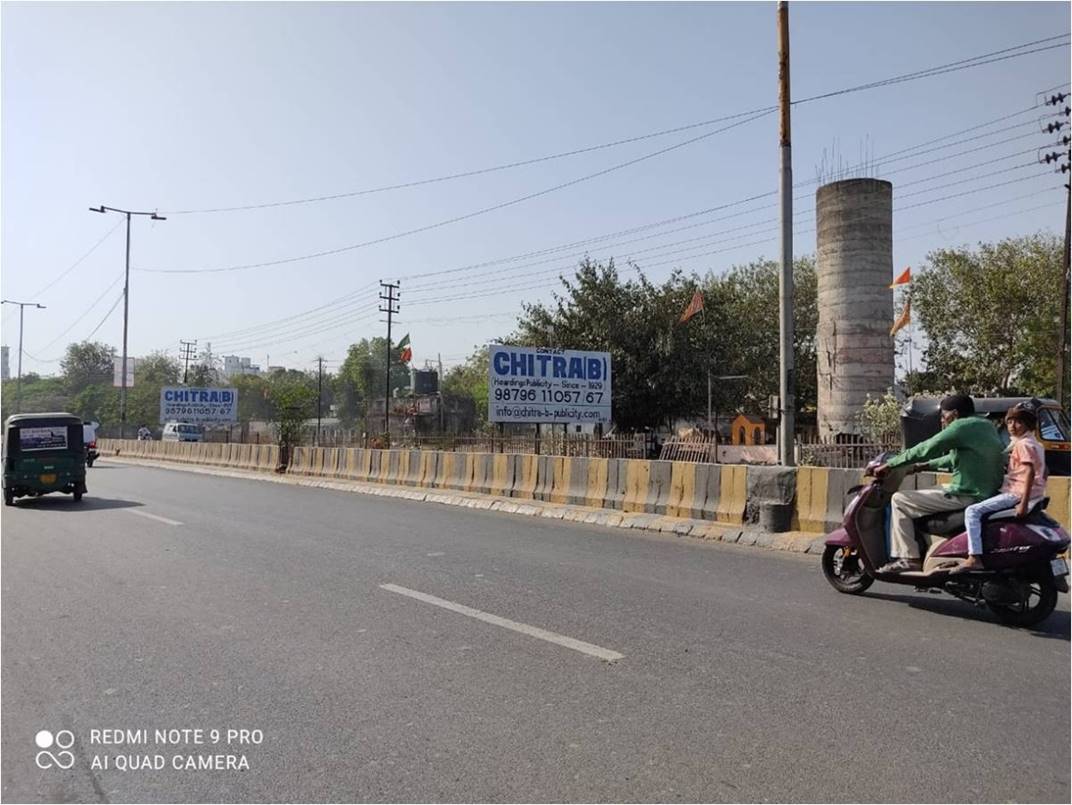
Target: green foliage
<point>471,380</point>
<point>654,361</point>
<point>292,402</point>
<point>991,315</point>
<point>880,419</point>
<point>745,302</point>
<point>39,394</point>
<point>660,365</point>
<point>143,399</point>
<point>254,397</point>
<point>201,375</point>
<point>361,378</point>
<point>87,363</point>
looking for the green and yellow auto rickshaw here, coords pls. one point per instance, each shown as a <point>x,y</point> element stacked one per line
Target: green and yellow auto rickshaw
<point>43,453</point>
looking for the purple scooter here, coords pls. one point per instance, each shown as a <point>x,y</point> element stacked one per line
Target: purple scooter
<point>1022,570</point>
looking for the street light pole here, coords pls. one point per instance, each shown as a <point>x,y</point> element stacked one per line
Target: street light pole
<point>126,309</point>
<point>18,383</point>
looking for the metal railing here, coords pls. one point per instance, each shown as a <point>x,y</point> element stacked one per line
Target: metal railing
<point>841,456</point>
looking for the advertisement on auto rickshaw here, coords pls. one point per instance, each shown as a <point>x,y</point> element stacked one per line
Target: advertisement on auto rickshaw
<point>47,438</point>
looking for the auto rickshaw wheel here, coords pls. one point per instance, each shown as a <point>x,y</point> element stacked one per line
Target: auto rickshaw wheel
<point>9,497</point>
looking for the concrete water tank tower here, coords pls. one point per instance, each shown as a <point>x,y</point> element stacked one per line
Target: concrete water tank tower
<point>854,349</point>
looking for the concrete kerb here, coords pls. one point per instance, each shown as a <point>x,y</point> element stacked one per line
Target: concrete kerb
<point>794,541</point>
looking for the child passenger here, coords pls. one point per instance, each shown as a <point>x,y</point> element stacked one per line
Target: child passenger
<point>1025,481</point>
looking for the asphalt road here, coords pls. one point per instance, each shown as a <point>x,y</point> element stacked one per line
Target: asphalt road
<point>261,606</point>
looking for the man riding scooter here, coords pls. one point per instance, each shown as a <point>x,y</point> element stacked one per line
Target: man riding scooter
<point>967,447</point>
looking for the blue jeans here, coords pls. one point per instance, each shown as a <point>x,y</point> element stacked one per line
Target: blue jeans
<point>973,516</point>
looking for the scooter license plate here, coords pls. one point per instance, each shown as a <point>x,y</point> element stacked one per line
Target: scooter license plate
<point>1059,567</point>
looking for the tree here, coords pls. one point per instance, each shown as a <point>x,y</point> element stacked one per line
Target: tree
<point>254,392</point>
<point>201,374</point>
<point>154,372</point>
<point>292,402</point>
<point>361,377</point>
<point>991,315</point>
<point>87,363</point>
<point>745,300</point>
<point>471,380</point>
<point>656,365</point>
<point>659,364</point>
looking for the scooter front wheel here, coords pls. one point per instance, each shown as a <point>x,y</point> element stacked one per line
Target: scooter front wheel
<point>843,569</point>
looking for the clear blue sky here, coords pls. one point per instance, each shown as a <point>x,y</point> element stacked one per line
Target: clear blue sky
<point>192,106</point>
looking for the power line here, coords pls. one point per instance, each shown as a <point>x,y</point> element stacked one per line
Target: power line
<point>458,218</point>
<point>546,286</point>
<point>938,70</point>
<point>111,310</point>
<point>477,172</point>
<point>951,67</point>
<point>277,322</point>
<point>469,268</point>
<point>78,262</point>
<point>503,274</point>
<point>315,328</point>
<point>894,156</point>
<point>84,314</point>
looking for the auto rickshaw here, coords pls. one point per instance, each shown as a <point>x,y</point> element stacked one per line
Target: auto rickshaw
<point>920,419</point>
<point>43,453</point>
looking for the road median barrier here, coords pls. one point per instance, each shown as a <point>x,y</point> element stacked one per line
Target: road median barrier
<point>501,481</point>
<point>545,477</point>
<point>526,475</point>
<point>732,493</point>
<point>597,482</point>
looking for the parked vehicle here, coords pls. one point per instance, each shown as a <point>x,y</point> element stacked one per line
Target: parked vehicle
<point>1022,572</point>
<point>920,420</point>
<point>43,453</point>
<point>89,438</point>
<point>181,432</point>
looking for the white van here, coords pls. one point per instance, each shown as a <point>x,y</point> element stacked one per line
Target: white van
<point>181,432</point>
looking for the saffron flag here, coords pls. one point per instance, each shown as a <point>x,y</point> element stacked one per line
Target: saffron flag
<point>695,306</point>
<point>904,279</point>
<point>903,319</point>
<point>405,351</point>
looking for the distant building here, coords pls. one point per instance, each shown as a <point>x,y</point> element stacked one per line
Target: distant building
<point>234,365</point>
<point>5,367</point>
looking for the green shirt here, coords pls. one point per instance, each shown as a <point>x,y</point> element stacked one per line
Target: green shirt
<point>970,448</point>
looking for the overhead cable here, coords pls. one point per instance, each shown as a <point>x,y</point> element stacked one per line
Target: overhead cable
<point>457,218</point>
<point>962,64</point>
<point>78,262</point>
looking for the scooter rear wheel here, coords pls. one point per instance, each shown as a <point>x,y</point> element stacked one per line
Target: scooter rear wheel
<point>1041,600</point>
<point>842,568</point>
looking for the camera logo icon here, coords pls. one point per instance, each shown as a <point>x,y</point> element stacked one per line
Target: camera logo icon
<point>62,740</point>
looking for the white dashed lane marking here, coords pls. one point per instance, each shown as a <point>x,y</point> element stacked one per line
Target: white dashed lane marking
<point>523,628</point>
<point>152,516</point>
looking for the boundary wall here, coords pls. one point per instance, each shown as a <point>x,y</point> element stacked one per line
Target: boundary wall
<point>728,494</point>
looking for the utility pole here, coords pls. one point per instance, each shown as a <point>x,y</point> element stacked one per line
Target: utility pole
<point>1057,156</point>
<point>787,373</point>
<point>439,388</point>
<point>126,308</point>
<point>18,383</point>
<point>187,353</point>
<point>319,394</point>
<point>390,307</point>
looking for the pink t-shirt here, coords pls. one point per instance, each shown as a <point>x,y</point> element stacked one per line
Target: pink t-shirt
<point>1026,452</point>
